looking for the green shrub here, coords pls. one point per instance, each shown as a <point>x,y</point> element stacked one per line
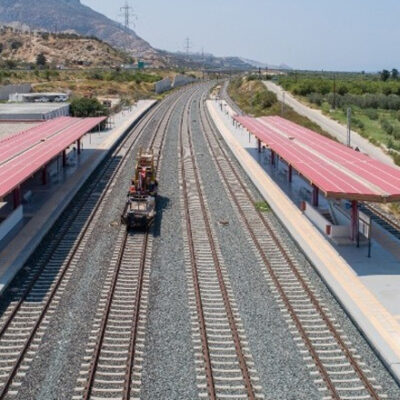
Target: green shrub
<point>357,123</point>
<point>264,99</point>
<point>263,206</point>
<point>395,156</point>
<point>252,78</point>
<point>85,107</point>
<point>316,98</point>
<point>387,126</point>
<point>396,133</point>
<point>372,114</point>
<point>41,60</point>
<point>16,44</point>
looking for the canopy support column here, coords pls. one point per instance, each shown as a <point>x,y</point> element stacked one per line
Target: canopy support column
<point>272,157</point>
<point>17,199</point>
<point>354,219</point>
<point>44,175</point>
<point>64,158</point>
<point>315,196</point>
<point>79,146</point>
<point>290,174</point>
<point>259,145</point>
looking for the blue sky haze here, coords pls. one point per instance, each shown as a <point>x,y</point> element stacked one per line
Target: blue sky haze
<point>351,35</point>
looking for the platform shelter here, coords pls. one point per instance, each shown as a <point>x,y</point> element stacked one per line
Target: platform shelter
<point>337,171</point>
<point>24,154</point>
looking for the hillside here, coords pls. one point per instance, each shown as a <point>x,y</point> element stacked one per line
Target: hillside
<point>59,49</point>
<point>206,61</point>
<point>72,16</point>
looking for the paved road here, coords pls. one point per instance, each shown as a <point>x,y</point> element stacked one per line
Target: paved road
<point>334,128</point>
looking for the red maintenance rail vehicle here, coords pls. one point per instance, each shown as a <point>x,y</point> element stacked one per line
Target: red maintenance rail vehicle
<point>140,208</point>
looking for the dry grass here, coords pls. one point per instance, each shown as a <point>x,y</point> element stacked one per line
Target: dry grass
<point>244,93</point>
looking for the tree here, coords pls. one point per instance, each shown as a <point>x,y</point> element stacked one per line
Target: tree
<point>385,75</point>
<point>15,45</point>
<point>395,73</point>
<point>10,64</point>
<point>41,60</point>
<point>85,107</point>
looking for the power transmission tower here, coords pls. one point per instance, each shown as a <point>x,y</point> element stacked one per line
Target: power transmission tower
<point>128,15</point>
<point>187,47</point>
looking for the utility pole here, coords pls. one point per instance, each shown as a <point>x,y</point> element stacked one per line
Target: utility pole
<point>187,47</point>
<point>349,127</point>
<point>283,104</point>
<point>334,91</point>
<point>203,61</point>
<point>128,15</point>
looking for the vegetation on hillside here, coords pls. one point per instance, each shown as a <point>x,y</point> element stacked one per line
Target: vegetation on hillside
<point>22,49</point>
<point>374,100</point>
<point>255,99</point>
<point>128,85</point>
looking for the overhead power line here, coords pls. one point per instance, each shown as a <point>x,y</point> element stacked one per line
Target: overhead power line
<point>128,15</point>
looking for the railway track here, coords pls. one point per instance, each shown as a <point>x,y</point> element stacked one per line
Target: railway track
<point>383,220</point>
<point>225,95</point>
<point>113,362</point>
<point>337,369</point>
<point>25,320</point>
<point>112,366</point>
<point>225,369</point>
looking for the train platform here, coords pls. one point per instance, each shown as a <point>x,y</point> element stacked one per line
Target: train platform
<point>366,287</point>
<point>45,203</point>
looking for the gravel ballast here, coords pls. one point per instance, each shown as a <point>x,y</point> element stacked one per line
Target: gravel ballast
<point>56,366</point>
<point>281,369</point>
<point>169,370</point>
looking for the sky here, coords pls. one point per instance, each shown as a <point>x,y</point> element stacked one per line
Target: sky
<point>342,35</point>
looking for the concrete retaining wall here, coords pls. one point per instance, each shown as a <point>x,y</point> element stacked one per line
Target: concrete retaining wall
<point>163,86</point>
<point>182,80</point>
<point>11,222</point>
<point>5,91</point>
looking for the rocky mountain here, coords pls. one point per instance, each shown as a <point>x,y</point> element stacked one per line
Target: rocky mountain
<point>205,61</point>
<point>59,49</point>
<point>258,64</point>
<point>72,16</point>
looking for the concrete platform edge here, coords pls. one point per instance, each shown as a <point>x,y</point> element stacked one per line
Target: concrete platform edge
<point>23,257</point>
<point>377,336</point>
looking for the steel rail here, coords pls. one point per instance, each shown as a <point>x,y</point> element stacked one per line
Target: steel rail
<point>65,228</point>
<point>136,308</point>
<point>217,264</point>
<point>195,276</point>
<point>6,386</point>
<point>325,375</point>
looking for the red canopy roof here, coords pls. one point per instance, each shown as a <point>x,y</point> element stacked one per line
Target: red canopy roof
<point>338,171</point>
<point>24,153</point>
